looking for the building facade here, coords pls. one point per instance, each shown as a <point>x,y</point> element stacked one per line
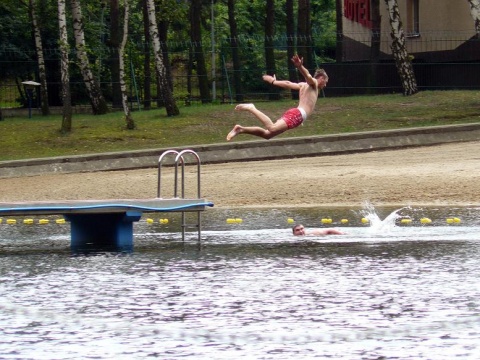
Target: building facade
<point>435,30</point>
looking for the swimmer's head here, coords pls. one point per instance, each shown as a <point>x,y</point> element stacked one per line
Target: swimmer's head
<point>298,230</point>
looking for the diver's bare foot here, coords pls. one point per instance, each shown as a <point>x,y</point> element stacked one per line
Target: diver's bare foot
<point>235,131</point>
<point>244,107</point>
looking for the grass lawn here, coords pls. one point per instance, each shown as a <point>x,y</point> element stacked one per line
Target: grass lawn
<point>23,138</point>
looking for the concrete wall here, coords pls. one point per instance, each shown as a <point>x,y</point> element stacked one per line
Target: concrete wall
<point>249,150</point>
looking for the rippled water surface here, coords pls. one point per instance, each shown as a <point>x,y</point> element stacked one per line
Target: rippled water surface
<point>382,291</point>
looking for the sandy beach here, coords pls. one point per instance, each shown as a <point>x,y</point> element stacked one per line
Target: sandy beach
<point>446,174</point>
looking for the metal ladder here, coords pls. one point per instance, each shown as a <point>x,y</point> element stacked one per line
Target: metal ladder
<point>179,159</point>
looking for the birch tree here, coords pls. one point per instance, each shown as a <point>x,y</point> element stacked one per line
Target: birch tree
<point>99,105</point>
<point>65,76</point>
<point>399,50</point>
<point>164,90</point>
<point>121,65</point>
<point>42,73</point>
<point>475,12</point>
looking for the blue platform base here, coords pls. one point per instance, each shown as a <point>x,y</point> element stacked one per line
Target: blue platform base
<point>102,232</point>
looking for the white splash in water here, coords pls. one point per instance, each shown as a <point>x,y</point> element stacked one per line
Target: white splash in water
<point>377,224</point>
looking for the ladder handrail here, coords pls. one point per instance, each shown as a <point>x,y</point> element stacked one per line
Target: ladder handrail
<point>180,157</point>
<point>160,159</point>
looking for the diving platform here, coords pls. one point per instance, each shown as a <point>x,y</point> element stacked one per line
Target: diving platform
<point>102,224</point>
<point>108,224</point>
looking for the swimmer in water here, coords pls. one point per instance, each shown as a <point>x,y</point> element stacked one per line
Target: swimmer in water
<point>308,95</point>
<point>299,230</point>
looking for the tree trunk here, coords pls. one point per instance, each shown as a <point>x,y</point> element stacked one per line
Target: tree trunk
<point>99,105</point>
<point>42,73</point>
<point>163,36</point>
<point>339,40</point>
<point>121,67</point>
<point>65,77</point>
<point>189,74</point>
<point>274,92</point>
<point>376,31</point>
<point>114,60</point>
<point>374,45</point>
<point>475,12</point>
<point>290,27</point>
<point>147,94</point>
<point>304,34</point>
<point>164,88</point>
<point>196,39</point>
<point>237,76</point>
<point>399,51</point>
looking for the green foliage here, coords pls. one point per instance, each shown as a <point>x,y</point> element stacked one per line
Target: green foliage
<point>324,30</point>
<point>17,46</point>
<point>15,39</point>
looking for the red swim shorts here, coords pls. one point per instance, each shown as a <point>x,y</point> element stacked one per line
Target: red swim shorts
<point>293,117</point>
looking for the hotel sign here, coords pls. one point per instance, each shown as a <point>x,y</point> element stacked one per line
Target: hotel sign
<point>358,11</point>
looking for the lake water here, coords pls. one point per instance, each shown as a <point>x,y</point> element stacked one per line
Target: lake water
<point>385,290</point>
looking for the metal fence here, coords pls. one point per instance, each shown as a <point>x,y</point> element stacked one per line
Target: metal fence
<point>367,78</point>
<point>346,78</point>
